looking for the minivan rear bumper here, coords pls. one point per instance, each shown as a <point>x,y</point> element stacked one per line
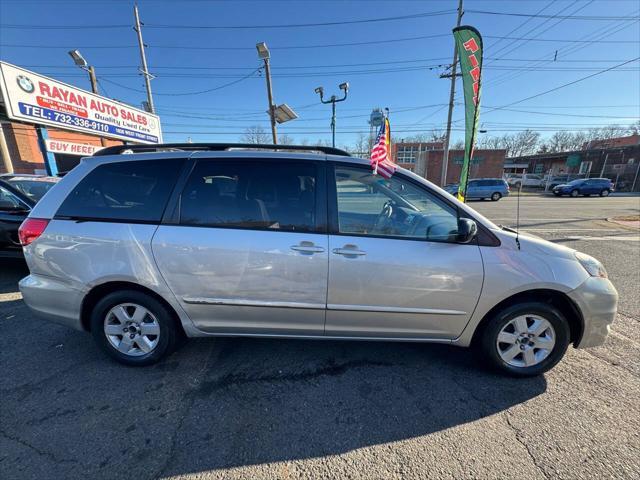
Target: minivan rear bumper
<point>52,300</point>
<point>597,299</point>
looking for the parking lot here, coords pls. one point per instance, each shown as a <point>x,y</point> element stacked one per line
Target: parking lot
<point>243,408</point>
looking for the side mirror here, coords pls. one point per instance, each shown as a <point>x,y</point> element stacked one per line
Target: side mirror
<point>467,230</point>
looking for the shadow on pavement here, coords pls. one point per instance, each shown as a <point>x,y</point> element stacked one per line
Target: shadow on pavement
<point>221,403</point>
<point>11,271</point>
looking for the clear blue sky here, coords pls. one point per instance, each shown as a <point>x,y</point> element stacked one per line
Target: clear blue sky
<point>409,89</point>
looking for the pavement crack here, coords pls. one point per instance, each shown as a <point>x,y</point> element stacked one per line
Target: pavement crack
<point>517,434</point>
<point>331,369</point>
<point>39,451</point>
<point>189,399</point>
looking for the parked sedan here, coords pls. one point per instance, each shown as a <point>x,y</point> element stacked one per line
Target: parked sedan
<point>481,188</point>
<point>18,195</point>
<point>586,187</point>
<point>33,186</point>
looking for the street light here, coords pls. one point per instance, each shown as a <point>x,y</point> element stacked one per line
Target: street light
<point>80,61</point>
<point>263,54</point>
<point>333,100</point>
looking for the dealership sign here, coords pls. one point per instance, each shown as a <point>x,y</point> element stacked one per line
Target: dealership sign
<point>36,99</point>
<point>71,148</point>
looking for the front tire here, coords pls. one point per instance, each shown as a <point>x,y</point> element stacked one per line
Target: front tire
<point>525,339</point>
<point>574,193</point>
<point>133,328</point>
<point>605,192</point>
<point>496,196</point>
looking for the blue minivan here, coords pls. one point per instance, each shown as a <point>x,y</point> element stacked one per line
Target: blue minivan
<point>585,186</point>
<point>481,188</point>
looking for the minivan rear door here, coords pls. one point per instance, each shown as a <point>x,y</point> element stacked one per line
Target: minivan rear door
<point>245,249</point>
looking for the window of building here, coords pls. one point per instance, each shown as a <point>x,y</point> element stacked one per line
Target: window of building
<point>272,195</point>
<point>407,154</point>
<point>135,191</point>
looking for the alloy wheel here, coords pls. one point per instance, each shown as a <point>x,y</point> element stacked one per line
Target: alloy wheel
<point>526,341</point>
<point>132,329</point>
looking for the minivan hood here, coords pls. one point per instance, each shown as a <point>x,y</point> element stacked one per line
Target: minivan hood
<point>534,244</point>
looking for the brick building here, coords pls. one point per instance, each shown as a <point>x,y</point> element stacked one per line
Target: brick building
<point>23,142</point>
<point>425,159</point>
<point>617,159</point>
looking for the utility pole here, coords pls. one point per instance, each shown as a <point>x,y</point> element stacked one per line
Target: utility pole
<point>81,62</point>
<point>143,57</point>
<point>94,89</point>
<point>265,55</point>
<point>452,95</point>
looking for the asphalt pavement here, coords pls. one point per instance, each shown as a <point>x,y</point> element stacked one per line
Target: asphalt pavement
<point>243,408</point>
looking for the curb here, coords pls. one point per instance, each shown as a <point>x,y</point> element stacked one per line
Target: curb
<point>631,225</point>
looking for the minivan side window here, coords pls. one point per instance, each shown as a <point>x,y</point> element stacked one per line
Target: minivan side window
<point>368,204</point>
<point>256,194</point>
<point>131,191</point>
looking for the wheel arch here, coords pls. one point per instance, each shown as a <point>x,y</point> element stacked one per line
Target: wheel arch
<point>100,291</point>
<point>555,298</point>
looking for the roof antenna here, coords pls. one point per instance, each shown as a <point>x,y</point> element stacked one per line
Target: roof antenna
<point>518,211</point>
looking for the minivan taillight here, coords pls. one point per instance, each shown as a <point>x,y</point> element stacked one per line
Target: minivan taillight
<point>31,229</point>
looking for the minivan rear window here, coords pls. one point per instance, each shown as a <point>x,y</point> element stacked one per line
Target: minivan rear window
<point>132,191</point>
<point>263,194</point>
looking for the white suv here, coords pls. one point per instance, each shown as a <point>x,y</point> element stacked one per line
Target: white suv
<point>526,180</point>
<point>231,240</point>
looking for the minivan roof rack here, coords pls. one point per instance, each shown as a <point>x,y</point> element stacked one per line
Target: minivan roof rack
<point>214,147</point>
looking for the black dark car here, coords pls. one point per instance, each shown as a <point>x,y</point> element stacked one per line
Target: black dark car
<point>18,194</point>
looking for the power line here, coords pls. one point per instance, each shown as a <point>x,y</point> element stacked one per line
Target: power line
<point>296,47</point>
<point>563,17</point>
<point>555,16</point>
<point>586,40</point>
<point>564,85</point>
<point>288,67</point>
<point>236,27</point>
<point>219,87</point>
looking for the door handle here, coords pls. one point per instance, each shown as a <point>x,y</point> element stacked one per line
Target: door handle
<point>349,251</point>
<point>307,247</point>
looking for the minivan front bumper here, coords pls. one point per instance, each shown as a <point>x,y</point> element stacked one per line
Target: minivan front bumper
<point>597,299</point>
<point>52,300</point>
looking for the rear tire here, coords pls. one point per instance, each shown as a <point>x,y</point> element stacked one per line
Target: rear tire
<point>574,193</point>
<point>536,336</point>
<point>495,196</point>
<point>133,328</point>
<point>605,192</point>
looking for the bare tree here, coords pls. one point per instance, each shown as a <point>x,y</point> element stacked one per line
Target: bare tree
<point>362,145</point>
<point>435,135</point>
<point>457,145</point>
<point>255,134</point>
<point>285,139</point>
<point>490,142</point>
<point>521,143</point>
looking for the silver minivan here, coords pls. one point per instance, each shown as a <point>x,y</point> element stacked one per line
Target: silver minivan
<point>143,245</point>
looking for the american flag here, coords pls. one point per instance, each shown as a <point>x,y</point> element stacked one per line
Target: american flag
<point>381,152</point>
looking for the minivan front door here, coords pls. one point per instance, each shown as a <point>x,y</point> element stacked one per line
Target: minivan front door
<point>249,252</point>
<point>395,270</point>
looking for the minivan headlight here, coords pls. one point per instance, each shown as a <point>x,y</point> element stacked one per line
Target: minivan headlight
<point>591,265</point>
